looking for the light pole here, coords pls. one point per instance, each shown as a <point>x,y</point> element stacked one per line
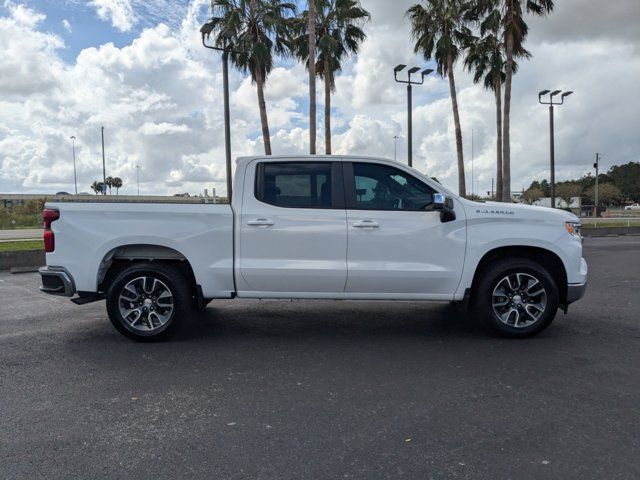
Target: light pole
<point>596,165</point>
<point>408,81</point>
<point>206,30</point>
<point>395,146</point>
<point>551,104</point>
<point>138,178</point>
<point>104,171</point>
<point>73,149</point>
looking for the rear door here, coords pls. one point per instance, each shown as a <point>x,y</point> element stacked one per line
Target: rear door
<point>293,231</point>
<point>397,244</point>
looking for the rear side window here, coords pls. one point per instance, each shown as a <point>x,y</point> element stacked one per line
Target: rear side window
<point>295,185</point>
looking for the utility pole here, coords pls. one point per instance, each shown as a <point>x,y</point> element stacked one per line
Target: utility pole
<point>138,178</point>
<point>104,171</point>
<point>552,159</point>
<point>596,165</point>
<point>492,188</point>
<point>409,83</point>
<point>73,148</point>
<point>206,30</point>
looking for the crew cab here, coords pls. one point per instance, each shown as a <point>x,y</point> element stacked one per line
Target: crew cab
<point>316,227</point>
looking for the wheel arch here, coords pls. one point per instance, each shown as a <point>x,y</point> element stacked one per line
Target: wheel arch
<point>125,255</point>
<point>546,258</point>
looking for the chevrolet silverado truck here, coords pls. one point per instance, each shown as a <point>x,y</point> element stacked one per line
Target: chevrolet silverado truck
<point>314,227</point>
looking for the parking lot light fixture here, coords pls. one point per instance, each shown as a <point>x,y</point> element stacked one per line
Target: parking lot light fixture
<point>206,31</point>
<point>551,104</point>
<point>409,83</point>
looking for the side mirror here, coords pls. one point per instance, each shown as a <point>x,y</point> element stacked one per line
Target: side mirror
<point>438,201</point>
<point>445,206</point>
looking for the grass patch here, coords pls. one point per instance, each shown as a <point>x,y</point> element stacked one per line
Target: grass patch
<point>614,223</point>
<point>21,245</point>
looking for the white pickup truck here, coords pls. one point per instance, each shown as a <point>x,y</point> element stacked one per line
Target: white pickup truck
<point>346,228</point>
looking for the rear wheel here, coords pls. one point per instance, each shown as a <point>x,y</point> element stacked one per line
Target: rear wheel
<point>517,298</point>
<point>146,302</point>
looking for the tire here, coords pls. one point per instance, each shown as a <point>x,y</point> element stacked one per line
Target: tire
<point>157,297</point>
<point>508,299</point>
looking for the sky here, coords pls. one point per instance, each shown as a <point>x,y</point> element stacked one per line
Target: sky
<point>138,68</point>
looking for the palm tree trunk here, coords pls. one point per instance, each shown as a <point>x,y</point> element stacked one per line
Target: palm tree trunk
<point>506,141</point>
<point>327,107</point>
<point>456,120</point>
<point>266,138</point>
<point>498,92</point>
<point>312,77</point>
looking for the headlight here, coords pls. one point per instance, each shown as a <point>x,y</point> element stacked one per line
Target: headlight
<point>574,228</point>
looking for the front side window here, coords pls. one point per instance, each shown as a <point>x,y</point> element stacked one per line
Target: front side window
<point>295,185</point>
<point>381,187</point>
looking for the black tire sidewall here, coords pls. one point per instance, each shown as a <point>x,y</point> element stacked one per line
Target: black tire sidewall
<point>488,283</point>
<point>171,277</point>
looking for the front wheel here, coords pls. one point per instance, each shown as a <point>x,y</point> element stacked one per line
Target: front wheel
<point>145,302</point>
<point>517,298</point>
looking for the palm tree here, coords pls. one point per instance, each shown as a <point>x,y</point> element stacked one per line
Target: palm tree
<point>515,33</point>
<point>439,28</point>
<point>486,59</point>
<point>311,17</point>
<point>97,187</point>
<point>116,182</point>
<point>253,30</point>
<point>109,183</point>
<point>339,35</point>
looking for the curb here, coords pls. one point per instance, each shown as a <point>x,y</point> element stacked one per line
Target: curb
<point>24,258</point>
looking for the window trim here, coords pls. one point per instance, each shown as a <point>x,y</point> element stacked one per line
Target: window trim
<point>350,189</point>
<point>337,192</point>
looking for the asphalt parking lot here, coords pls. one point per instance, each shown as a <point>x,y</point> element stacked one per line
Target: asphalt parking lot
<point>315,390</point>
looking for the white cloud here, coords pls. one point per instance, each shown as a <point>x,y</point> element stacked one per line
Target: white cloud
<point>163,128</point>
<point>67,25</point>
<point>118,12</point>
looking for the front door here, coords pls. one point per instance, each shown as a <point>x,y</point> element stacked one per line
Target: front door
<point>397,244</point>
<point>293,230</point>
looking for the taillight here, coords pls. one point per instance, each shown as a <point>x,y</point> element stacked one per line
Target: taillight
<point>49,215</point>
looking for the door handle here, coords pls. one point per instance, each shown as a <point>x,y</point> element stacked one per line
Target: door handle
<point>260,222</point>
<point>366,224</point>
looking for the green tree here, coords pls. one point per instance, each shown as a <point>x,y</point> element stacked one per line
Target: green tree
<point>97,187</point>
<point>109,182</point>
<point>339,34</point>
<point>627,179</point>
<point>254,30</point>
<point>608,194</point>
<point>439,28</point>
<point>116,182</point>
<point>567,190</point>
<point>485,58</point>
<point>532,194</point>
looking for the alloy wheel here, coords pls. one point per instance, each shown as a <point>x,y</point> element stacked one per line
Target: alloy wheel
<point>146,304</point>
<point>519,300</point>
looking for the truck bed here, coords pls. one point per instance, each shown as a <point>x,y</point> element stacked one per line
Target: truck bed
<point>88,236</point>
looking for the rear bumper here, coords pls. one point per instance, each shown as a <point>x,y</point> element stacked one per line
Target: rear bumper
<point>57,281</point>
<point>575,292</point>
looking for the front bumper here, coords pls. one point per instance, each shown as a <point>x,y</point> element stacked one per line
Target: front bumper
<point>57,281</point>
<point>575,292</point>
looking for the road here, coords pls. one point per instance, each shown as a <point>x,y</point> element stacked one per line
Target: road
<point>21,234</point>
<point>318,390</point>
